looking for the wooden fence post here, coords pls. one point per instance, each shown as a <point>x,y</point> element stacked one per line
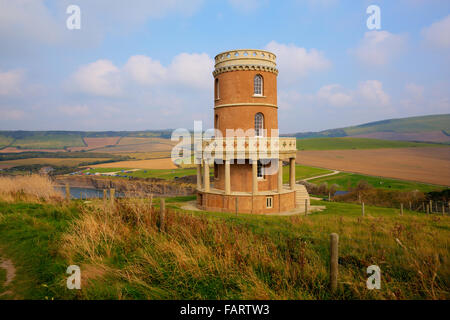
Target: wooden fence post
<point>67,192</point>
<point>431,206</point>
<point>334,258</point>
<point>363,209</point>
<point>151,200</point>
<point>443,209</point>
<point>401,209</point>
<point>162,213</point>
<point>410,206</point>
<point>428,209</point>
<point>306,207</point>
<point>112,193</point>
<point>105,196</point>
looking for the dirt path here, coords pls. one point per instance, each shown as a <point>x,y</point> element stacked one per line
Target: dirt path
<point>10,269</point>
<point>323,175</point>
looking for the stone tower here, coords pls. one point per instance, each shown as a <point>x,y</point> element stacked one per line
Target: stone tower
<point>246,179</point>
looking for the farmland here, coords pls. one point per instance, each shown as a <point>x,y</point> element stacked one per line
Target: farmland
<point>68,162</point>
<point>48,141</point>
<point>140,164</point>
<point>167,174</point>
<point>427,165</point>
<point>355,143</point>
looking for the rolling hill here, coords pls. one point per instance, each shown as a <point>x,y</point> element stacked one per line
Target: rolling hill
<point>433,128</point>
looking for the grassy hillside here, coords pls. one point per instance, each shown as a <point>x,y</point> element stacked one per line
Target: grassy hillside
<point>355,143</point>
<point>221,256</point>
<point>413,124</point>
<point>346,180</point>
<point>424,124</point>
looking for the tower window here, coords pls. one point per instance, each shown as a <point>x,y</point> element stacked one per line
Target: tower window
<point>216,88</point>
<point>260,171</point>
<point>258,85</point>
<point>269,202</point>
<point>259,124</point>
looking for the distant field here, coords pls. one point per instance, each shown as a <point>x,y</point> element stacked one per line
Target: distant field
<point>427,165</point>
<point>94,143</point>
<point>70,162</point>
<point>4,141</point>
<point>153,173</point>
<point>151,145</point>
<point>355,143</point>
<point>140,164</point>
<point>345,181</point>
<point>49,141</point>
<point>16,150</point>
<point>141,140</point>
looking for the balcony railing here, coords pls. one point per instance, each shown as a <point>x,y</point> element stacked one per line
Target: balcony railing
<point>246,148</point>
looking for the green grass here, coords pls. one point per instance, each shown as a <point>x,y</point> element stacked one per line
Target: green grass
<point>167,174</point>
<point>49,141</point>
<point>142,265</point>
<point>29,236</point>
<point>355,143</point>
<point>347,180</point>
<point>303,172</point>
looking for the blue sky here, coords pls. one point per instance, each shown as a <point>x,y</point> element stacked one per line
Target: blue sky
<point>137,65</point>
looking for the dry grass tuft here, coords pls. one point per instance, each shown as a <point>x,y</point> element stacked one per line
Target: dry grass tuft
<point>34,188</point>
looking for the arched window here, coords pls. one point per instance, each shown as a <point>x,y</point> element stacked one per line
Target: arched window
<point>259,124</point>
<point>216,89</point>
<point>258,85</point>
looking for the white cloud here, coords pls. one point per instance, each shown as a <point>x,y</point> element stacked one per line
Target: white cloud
<point>372,93</point>
<point>296,62</point>
<point>379,47</point>
<point>27,20</point>
<point>10,82</point>
<point>438,34</point>
<point>368,94</point>
<point>144,70</point>
<point>26,25</point>
<point>103,78</point>
<point>100,78</point>
<point>192,70</point>
<point>334,95</point>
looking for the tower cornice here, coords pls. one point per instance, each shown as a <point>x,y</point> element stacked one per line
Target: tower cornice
<point>245,60</point>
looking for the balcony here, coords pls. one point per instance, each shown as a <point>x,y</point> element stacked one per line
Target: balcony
<point>247,148</point>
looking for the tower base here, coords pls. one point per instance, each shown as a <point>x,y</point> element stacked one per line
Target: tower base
<point>245,202</point>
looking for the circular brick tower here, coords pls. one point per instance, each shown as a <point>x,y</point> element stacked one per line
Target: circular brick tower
<point>246,179</point>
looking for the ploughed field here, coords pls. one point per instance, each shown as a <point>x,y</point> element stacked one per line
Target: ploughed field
<point>429,165</point>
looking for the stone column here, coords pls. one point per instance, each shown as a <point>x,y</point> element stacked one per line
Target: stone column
<point>227,178</point>
<point>280,175</point>
<point>255,176</point>
<point>199,176</point>
<point>206,175</point>
<point>292,173</point>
